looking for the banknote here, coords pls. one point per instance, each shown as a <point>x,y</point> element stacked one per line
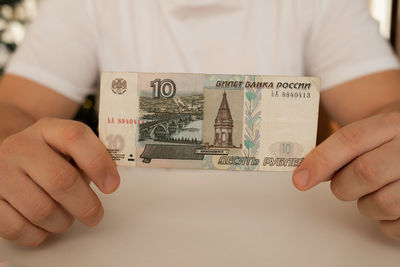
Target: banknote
<point>208,121</point>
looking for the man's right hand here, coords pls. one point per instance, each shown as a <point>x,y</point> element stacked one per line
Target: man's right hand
<point>43,180</point>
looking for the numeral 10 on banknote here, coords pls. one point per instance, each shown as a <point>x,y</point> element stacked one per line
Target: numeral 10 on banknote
<point>163,88</point>
<point>208,121</point>
<point>286,149</point>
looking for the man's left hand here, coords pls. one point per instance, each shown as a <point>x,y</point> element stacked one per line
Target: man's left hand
<point>362,161</point>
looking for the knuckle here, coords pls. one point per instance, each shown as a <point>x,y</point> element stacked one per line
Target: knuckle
<point>91,211</point>
<point>98,160</point>
<point>68,224</point>
<point>392,119</point>
<point>36,237</point>
<point>366,170</point>
<point>63,179</point>
<point>15,231</point>
<point>64,226</point>
<point>349,136</point>
<point>42,210</point>
<point>386,204</point>
<point>12,144</point>
<point>386,228</point>
<point>44,121</point>
<point>74,131</point>
<point>38,240</point>
<point>321,157</point>
<point>337,192</point>
<point>3,169</point>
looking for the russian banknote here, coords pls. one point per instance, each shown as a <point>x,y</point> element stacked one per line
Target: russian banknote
<point>208,121</point>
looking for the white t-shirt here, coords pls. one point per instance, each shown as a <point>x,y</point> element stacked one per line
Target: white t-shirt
<point>72,41</point>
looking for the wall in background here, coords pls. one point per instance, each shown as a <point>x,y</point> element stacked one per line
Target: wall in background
<point>381,10</point>
<point>14,16</point>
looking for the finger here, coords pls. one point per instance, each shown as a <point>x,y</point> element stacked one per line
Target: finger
<point>391,228</point>
<point>14,227</point>
<point>368,172</point>
<point>34,204</point>
<point>82,173</point>
<point>23,194</point>
<point>343,146</point>
<point>78,141</point>
<point>383,204</point>
<point>64,184</point>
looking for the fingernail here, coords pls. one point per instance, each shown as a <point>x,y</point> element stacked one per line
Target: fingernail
<point>111,183</point>
<point>302,178</point>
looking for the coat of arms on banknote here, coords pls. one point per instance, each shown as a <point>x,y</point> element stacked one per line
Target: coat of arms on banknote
<point>205,121</point>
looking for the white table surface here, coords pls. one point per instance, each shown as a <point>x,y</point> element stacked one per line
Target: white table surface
<point>215,218</point>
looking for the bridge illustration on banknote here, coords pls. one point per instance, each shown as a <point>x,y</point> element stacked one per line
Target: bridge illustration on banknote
<point>166,127</point>
<point>178,132</point>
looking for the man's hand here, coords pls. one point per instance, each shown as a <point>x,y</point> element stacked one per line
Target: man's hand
<point>362,160</point>
<point>42,180</point>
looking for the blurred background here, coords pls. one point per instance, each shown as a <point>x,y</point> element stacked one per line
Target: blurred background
<point>15,15</point>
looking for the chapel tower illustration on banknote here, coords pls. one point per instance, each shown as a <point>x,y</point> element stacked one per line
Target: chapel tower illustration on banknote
<point>205,121</point>
<point>224,125</point>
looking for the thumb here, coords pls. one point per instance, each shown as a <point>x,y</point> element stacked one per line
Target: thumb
<point>341,148</point>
